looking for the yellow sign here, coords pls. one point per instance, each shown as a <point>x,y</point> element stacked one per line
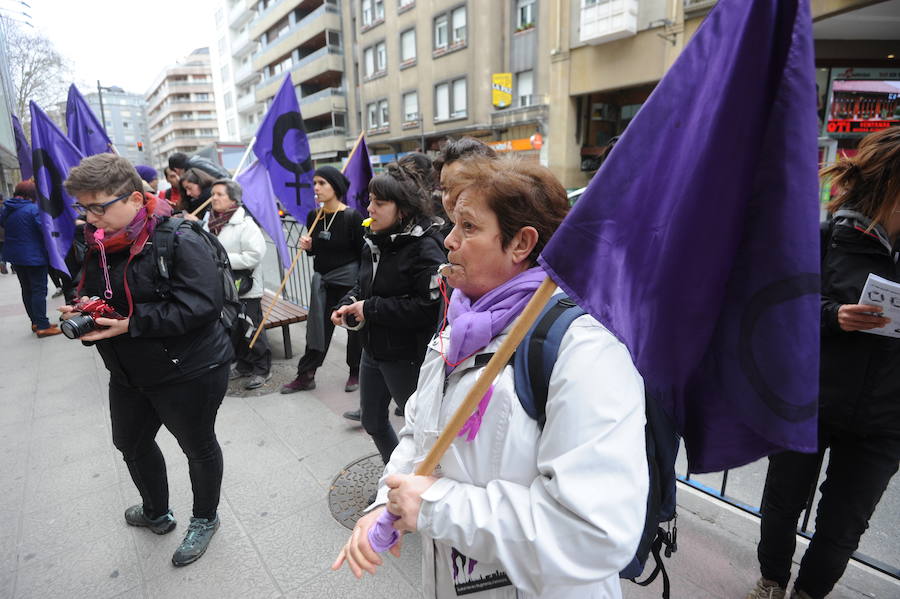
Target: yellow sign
<point>501,89</point>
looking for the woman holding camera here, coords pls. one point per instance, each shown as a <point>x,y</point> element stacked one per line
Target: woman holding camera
<point>396,298</point>
<point>166,350</point>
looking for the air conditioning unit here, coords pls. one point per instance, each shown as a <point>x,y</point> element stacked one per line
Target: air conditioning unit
<point>607,20</point>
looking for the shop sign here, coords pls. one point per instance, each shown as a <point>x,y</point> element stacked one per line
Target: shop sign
<point>847,126</point>
<point>501,89</point>
<point>525,144</point>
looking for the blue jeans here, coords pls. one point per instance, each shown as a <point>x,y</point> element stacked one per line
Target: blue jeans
<point>379,380</point>
<point>33,281</point>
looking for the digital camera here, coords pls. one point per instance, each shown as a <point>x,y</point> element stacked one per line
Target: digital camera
<point>85,322</point>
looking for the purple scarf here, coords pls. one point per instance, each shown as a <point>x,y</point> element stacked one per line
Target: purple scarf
<point>473,325</point>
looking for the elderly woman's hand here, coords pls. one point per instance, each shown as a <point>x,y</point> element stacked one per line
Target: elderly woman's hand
<point>405,498</point>
<point>861,317</point>
<point>358,554</point>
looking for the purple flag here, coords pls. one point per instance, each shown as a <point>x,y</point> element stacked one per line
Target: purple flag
<point>54,155</point>
<point>23,150</point>
<point>85,129</point>
<point>697,242</point>
<point>282,147</point>
<point>260,200</point>
<point>359,171</point>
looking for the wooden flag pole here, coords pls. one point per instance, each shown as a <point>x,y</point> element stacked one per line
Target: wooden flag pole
<point>240,166</point>
<point>284,282</point>
<point>494,366</point>
<point>201,207</point>
<point>353,151</point>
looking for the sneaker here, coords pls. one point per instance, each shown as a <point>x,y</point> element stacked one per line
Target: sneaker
<point>767,589</point>
<point>135,516</point>
<point>236,374</point>
<point>48,332</point>
<point>354,416</point>
<point>199,534</point>
<point>302,383</point>
<point>352,383</point>
<point>258,380</point>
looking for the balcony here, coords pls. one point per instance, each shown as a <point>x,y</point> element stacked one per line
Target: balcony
<point>328,100</point>
<point>536,110</point>
<point>327,141</point>
<point>328,58</point>
<point>245,74</point>
<point>246,103</point>
<point>242,45</point>
<point>696,8</point>
<point>239,15</point>
<point>267,18</point>
<point>324,17</point>
<point>608,20</point>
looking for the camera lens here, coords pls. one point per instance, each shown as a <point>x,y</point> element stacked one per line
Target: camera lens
<point>77,326</point>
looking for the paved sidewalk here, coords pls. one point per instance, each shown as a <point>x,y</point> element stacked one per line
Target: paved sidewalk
<point>64,488</point>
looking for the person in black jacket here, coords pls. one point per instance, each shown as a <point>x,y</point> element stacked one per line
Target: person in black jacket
<point>396,299</point>
<point>859,385</point>
<point>168,354</point>
<point>197,185</point>
<point>180,162</point>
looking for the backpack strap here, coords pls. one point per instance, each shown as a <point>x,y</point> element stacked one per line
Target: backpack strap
<point>535,357</point>
<point>164,251</point>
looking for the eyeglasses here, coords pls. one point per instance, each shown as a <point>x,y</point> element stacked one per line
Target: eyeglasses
<point>99,209</point>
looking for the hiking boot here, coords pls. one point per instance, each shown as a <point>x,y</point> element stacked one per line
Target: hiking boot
<point>234,373</point>
<point>352,383</point>
<point>199,534</point>
<point>48,332</point>
<point>135,517</point>
<point>767,589</point>
<point>355,416</point>
<point>303,382</point>
<point>258,380</point>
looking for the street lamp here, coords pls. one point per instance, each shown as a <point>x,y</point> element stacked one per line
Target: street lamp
<point>100,90</point>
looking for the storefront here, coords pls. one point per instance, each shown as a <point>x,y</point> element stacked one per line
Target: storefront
<point>858,101</point>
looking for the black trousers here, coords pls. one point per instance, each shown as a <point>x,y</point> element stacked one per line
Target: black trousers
<point>33,281</point>
<point>379,381</point>
<point>313,359</point>
<point>859,470</point>
<point>188,410</point>
<point>257,360</point>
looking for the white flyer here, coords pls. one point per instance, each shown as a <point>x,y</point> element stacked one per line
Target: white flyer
<point>885,294</point>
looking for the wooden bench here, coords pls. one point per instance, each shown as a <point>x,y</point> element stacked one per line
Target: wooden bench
<point>284,314</point>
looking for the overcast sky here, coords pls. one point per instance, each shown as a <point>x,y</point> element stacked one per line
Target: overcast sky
<point>122,42</point>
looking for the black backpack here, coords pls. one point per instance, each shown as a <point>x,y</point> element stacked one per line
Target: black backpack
<point>532,365</point>
<point>163,249</point>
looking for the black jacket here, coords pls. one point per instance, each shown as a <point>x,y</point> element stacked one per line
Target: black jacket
<point>217,171</point>
<point>169,339</point>
<point>859,372</point>
<point>398,281</point>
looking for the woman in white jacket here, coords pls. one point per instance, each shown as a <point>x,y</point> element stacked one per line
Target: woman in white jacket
<point>242,239</point>
<point>513,511</point>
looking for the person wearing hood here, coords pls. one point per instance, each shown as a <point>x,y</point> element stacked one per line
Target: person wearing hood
<point>396,298</point>
<point>24,248</point>
<point>149,176</point>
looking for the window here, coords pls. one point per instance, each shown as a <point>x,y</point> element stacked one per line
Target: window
<point>450,100</point>
<point>524,14</point>
<point>525,88</point>
<point>202,97</point>
<point>377,114</point>
<point>227,99</point>
<point>125,124</point>
<point>408,45</point>
<point>232,128</point>
<point>459,25</point>
<point>372,110</point>
<point>440,32</point>
<point>405,3</point>
<point>410,106</point>
<point>367,12</point>
<point>379,10</point>
<point>222,46</point>
<point>383,112</point>
<point>225,74</point>
<point>369,59</point>
<point>381,56</point>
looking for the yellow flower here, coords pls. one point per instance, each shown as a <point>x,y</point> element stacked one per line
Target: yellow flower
<point>366,222</point>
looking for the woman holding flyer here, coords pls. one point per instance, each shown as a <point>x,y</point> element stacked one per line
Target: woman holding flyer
<point>859,401</point>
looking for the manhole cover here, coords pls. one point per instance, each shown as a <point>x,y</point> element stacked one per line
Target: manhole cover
<point>354,485</point>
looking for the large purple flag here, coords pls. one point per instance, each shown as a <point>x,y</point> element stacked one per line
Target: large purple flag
<point>697,242</point>
<point>358,170</point>
<point>85,129</point>
<point>23,150</point>
<point>54,155</point>
<point>259,199</point>
<point>281,146</point>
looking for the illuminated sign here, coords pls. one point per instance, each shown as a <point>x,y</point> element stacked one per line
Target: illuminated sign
<point>501,89</point>
<point>848,126</point>
<point>518,145</point>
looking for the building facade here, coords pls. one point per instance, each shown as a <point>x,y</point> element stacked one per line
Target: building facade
<point>9,161</point>
<point>125,120</point>
<point>423,70</point>
<point>181,108</point>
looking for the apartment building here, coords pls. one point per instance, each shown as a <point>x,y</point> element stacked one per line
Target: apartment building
<point>234,77</point>
<point>181,109</point>
<point>424,70</point>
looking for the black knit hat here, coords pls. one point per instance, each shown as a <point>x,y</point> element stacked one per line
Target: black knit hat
<point>339,183</point>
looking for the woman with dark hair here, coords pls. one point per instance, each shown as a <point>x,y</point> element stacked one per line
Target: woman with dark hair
<point>395,299</point>
<point>24,248</point>
<point>336,246</point>
<point>174,194</point>
<point>518,510</point>
<point>197,185</point>
<point>859,385</point>
<point>166,349</point>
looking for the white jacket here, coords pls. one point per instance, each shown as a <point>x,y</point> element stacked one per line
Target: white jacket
<point>246,247</point>
<point>560,513</point>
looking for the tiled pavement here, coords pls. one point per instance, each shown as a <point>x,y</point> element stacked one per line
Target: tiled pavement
<point>63,489</point>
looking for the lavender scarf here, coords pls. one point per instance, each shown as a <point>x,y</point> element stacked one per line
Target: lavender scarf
<point>473,325</point>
